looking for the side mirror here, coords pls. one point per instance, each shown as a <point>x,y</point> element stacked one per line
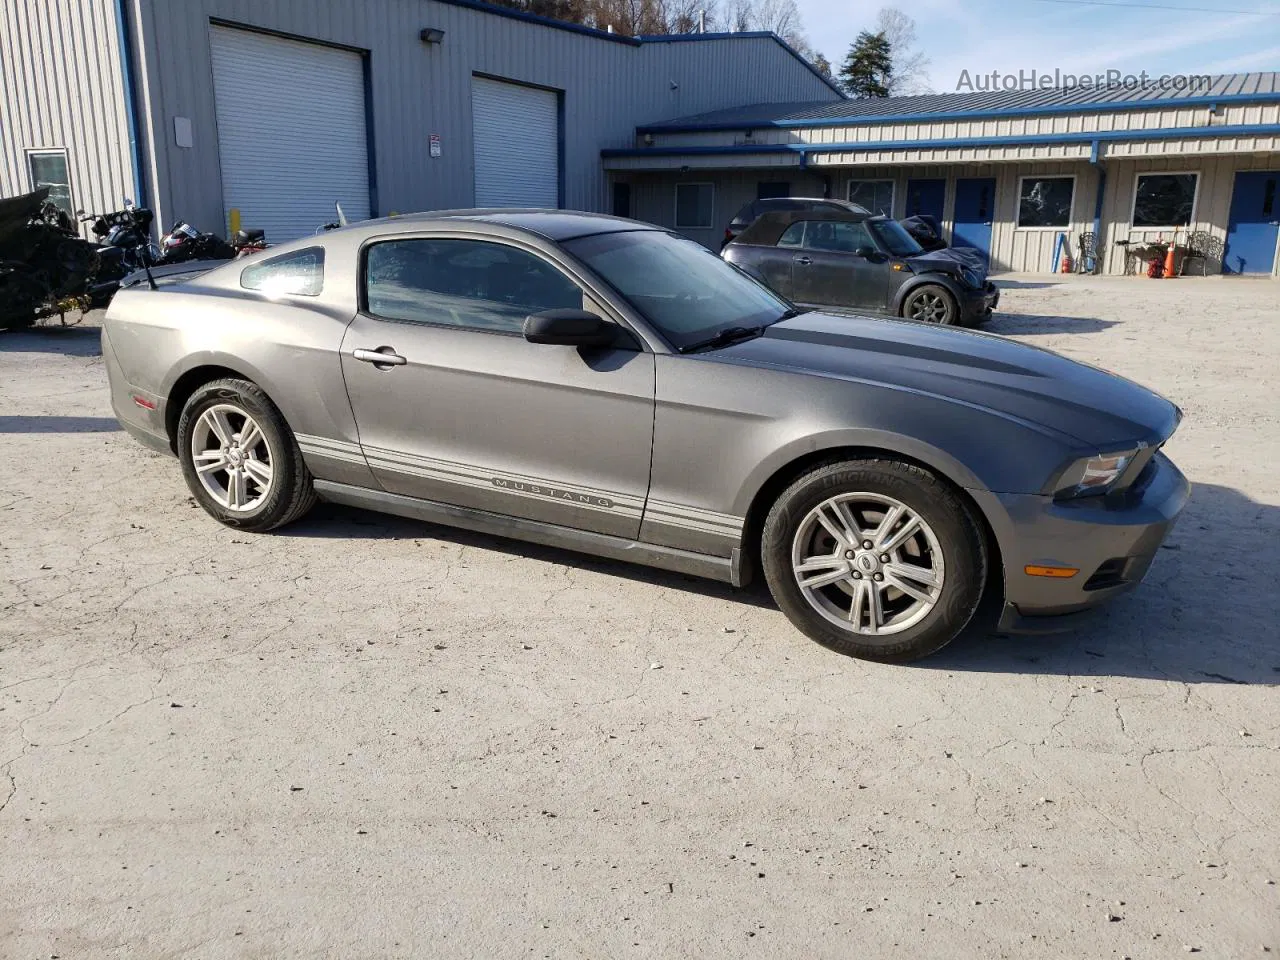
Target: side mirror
<point>865,252</point>
<point>569,328</point>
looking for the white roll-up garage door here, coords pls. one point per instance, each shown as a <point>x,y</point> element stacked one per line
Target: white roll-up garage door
<point>291,132</point>
<point>517,144</point>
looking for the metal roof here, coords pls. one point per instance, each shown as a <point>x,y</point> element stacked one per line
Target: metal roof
<point>1223,89</point>
<point>642,39</point>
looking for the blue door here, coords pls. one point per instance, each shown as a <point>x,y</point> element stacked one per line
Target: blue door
<point>975,208</point>
<point>1254,224</point>
<point>925,197</point>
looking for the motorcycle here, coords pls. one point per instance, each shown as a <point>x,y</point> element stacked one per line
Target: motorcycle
<point>184,242</point>
<point>247,242</point>
<point>124,246</point>
<point>45,265</point>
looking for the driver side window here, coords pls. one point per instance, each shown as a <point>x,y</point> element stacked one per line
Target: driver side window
<point>463,283</point>
<point>835,236</point>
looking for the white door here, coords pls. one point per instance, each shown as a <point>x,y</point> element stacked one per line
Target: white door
<point>517,144</point>
<point>291,132</point>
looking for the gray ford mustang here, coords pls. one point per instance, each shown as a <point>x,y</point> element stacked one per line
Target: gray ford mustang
<point>603,385</point>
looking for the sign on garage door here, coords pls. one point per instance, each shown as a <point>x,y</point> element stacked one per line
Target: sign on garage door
<point>517,144</point>
<point>291,131</point>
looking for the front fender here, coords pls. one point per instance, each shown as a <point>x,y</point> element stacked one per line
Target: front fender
<point>939,279</point>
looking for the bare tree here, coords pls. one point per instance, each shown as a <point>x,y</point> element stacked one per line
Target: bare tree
<point>910,65</point>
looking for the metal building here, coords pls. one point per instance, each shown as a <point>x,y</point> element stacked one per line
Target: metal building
<point>1007,172</point>
<point>279,108</point>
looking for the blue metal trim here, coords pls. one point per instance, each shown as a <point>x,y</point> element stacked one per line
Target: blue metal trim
<point>1095,151</point>
<point>544,21</point>
<point>1091,106</point>
<point>125,38</point>
<point>1117,136</point>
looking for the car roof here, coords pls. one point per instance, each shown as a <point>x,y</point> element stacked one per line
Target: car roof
<point>555,225</point>
<point>766,230</point>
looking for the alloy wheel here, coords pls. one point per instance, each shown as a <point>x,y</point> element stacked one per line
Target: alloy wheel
<point>232,458</point>
<point>868,563</point>
<point>929,307</point>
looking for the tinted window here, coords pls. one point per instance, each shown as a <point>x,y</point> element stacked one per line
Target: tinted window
<point>681,287</point>
<point>1164,200</point>
<point>300,273</point>
<point>463,283</point>
<point>1045,201</point>
<point>836,236</point>
<point>694,203</point>
<point>793,236</point>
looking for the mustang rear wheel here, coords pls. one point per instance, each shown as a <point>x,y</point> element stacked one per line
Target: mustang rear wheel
<point>240,459</point>
<point>874,558</point>
<point>931,304</point>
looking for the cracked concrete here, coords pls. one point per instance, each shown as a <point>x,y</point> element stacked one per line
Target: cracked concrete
<point>370,737</point>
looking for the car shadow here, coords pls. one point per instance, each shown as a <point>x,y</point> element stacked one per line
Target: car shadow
<point>329,520</point>
<point>1028,324</point>
<point>1180,625</point>
<point>1023,284</point>
<point>82,340</point>
<point>1205,614</point>
<point>58,424</point>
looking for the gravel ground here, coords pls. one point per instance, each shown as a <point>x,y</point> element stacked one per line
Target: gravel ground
<point>370,737</point>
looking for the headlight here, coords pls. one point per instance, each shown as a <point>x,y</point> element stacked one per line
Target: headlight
<point>971,278</point>
<point>1093,475</point>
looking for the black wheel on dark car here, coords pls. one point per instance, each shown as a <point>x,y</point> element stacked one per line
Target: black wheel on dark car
<point>240,458</point>
<point>931,304</point>
<point>876,559</point>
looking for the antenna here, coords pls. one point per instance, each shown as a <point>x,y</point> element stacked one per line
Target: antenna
<point>146,268</point>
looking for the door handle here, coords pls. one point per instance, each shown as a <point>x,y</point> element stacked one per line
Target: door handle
<point>381,357</point>
<point>803,261</point>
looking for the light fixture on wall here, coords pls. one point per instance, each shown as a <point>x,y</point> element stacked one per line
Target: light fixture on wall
<point>431,35</point>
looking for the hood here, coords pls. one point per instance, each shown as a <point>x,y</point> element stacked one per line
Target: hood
<point>1096,408</point>
<point>949,259</point>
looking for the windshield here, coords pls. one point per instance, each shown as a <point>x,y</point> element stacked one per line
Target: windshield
<point>682,288</point>
<point>894,238</point>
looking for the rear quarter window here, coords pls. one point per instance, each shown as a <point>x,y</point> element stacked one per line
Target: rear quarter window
<point>300,273</point>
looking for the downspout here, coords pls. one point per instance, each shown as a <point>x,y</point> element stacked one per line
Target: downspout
<point>1096,163</point>
<point>125,37</point>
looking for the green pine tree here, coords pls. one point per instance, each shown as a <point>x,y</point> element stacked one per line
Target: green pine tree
<point>868,68</point>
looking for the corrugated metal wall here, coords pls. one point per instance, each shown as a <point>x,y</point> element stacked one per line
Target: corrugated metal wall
<point>61,86</point>
<point>653,196</point>
<point>1013,249</point>
<point>1212,205</point>
<point>418,90</point>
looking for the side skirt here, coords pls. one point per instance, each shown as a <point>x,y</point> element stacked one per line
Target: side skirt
<point>726,569</point>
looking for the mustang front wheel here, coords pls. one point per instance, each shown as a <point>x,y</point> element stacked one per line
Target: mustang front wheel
<point>876,559</point>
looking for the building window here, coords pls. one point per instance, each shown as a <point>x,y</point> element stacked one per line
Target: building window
<point>694,206</point>
<point>463,283</point>
<point>622,200</point>
<point>1164,199</point>
<point>875,195</point>
<point>1045,201</point>
<point>300,273</point>
<point>49,169</point>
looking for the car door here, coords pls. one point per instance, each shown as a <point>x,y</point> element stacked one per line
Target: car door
<point>775,264</point>
<point>827,271</point>
<point>453,405</point>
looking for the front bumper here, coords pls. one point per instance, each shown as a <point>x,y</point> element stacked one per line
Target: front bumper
<point>1112,542</point>
<point>978,305</point>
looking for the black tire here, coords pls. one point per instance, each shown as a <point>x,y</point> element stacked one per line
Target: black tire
<point>957,532</point>
<point>930,303</point>
<point>290,493</point>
